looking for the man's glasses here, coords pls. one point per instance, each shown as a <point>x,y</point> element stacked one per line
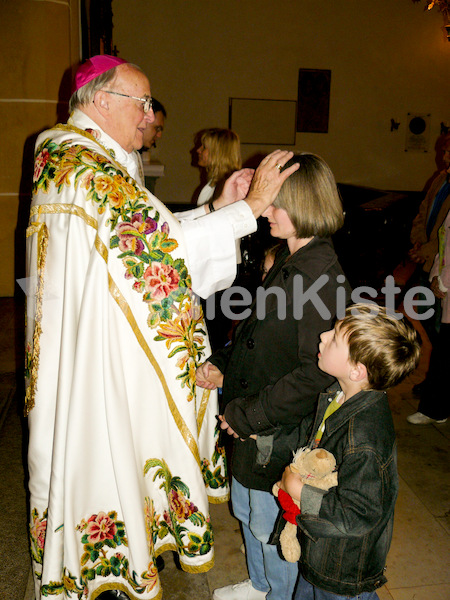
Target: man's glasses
<point>146,101</point>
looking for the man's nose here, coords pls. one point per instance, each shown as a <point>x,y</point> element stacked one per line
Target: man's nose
<point>149,116</point>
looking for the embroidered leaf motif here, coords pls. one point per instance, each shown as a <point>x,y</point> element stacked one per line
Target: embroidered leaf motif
<point>143,243</point>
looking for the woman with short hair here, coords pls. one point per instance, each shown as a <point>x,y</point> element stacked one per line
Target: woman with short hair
<point>269,374</point>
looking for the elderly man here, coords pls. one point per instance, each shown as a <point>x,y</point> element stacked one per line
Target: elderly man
<point>123,453</point>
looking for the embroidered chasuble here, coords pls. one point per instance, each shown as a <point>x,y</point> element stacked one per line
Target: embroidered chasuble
<point>123,453</point>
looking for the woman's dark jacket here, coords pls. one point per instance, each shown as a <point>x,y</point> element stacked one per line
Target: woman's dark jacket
<point>271,377</point>
<point>346,532</point>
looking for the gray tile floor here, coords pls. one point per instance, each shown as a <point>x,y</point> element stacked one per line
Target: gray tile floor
<point>418,566</point>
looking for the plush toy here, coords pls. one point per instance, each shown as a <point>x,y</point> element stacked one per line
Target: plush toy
<point>316,468</point>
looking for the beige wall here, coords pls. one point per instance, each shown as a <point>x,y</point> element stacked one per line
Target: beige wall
<point>387,59</point>
<point>38,45</point>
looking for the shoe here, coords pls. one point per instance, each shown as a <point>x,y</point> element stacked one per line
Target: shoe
<point>160,564</point>
<point>419,418</point>
<point>239,591</point>
<point>113,595</point>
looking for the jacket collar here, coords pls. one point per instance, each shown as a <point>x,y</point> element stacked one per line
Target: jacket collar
<point>348,410</point>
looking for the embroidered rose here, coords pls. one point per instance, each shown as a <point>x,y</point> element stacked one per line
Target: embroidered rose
<point>161,280</point>
<point>38,530</point>
<point>40,162</point>
<point>100,528</point>
<point>181,505</point>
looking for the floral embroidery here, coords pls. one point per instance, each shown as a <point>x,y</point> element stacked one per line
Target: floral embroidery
<point>186,332</point>
<point>181,509</point>
<point>101,535</point>
<point>100,528</point>
<point>144,244</point>
<point>214,479</point>
<point>37,528</point>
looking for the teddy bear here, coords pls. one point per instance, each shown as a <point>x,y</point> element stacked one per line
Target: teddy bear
<point>316,468</point>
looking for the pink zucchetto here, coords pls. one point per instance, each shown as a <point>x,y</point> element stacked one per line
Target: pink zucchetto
<point>93,67</point>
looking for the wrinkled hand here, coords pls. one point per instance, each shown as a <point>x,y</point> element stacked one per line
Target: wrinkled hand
<point>236,188</point>
<point>436,289</point>
<point>208,376</point>
<point>268,180</point>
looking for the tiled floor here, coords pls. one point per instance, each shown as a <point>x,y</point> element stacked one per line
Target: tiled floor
<point>418,566</point>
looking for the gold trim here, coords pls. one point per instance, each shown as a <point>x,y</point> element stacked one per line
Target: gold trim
<point>42,243</point>
<point>69,209</point>
<point>200,569</point>
<point>219,499</point>
<point>123,588</point>
<point>74,129</point>
<point>183,428</point>
<point>202,409</point>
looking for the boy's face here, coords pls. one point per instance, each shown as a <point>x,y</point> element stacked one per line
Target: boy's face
<point>333,354</point>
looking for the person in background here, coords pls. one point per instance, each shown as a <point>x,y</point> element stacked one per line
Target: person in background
<point>425,227</point>
<point>154,130</point>
<point>123,456</point>
<point>219,155</point>
<point>345,533</point>
<point>434,405</point>
<point>269,374</point>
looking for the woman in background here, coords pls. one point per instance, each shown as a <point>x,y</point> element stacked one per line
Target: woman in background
<point>220,155</point>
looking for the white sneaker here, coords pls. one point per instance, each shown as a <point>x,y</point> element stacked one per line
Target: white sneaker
<point>419,418</point>
<point>239,591</point>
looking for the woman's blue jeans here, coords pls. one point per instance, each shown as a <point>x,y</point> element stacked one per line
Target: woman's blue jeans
<point>257,511</point>
<point>306,591</point>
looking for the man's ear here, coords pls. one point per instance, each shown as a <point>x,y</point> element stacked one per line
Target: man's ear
<point>358,372</point>
<point>101,102</point>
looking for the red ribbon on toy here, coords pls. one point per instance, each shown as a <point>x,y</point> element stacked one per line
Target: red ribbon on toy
<point>289,506</point>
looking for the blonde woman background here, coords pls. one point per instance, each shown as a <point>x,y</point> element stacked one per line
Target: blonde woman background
<point>219,154</point>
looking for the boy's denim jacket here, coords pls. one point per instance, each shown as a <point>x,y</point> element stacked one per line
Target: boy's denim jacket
<point>346,532</point>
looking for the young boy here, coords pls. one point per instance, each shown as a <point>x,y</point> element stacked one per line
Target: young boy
<point>346,531</point>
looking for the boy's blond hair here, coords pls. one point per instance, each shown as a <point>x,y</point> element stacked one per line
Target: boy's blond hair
<point>389,348</point>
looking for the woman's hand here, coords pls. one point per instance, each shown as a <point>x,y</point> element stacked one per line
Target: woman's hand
<point>208,376</point>
<point>268,180</point>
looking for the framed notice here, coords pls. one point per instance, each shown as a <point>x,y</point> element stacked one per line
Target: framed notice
<point>313,107</point>
<point>263,122</point>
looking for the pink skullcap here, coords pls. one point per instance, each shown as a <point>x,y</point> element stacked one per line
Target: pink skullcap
<point>93,67</point>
